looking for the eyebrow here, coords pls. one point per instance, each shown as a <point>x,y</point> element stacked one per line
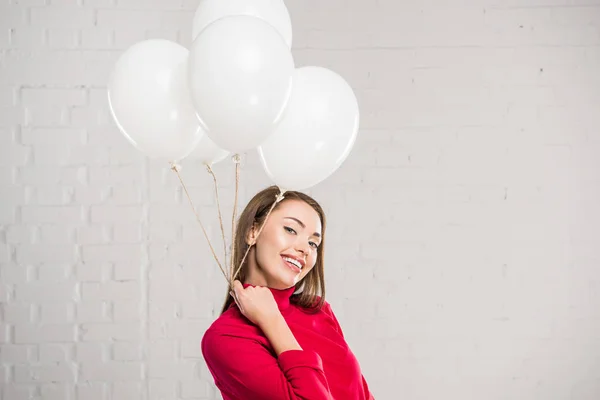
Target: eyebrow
<point>303,226</point>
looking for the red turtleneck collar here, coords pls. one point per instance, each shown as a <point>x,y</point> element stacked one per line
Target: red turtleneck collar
<point>282,296</point>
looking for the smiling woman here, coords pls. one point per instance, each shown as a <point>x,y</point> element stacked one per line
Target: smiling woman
<point>277,337</point>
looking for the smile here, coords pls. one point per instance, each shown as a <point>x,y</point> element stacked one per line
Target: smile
<point>294,264</point>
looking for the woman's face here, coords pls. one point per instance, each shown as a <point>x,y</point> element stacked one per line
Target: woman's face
<point>286,249</point>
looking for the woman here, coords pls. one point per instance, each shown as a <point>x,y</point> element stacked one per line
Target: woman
<point>271,343</point>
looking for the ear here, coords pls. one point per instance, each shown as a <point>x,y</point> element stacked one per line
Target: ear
<point>252,234</point>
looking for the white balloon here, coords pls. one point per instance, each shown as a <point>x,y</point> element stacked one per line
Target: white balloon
<point>150,101</point>
<point>317,132</point>
<point>208,152</point>
<point>241,79</point>
<point>274,12</point>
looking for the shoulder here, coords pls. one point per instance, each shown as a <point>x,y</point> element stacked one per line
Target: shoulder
<point>231,329</point>
<point>230,323</point>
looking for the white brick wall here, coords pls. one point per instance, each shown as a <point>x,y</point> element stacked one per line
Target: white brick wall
<point>471,270</point>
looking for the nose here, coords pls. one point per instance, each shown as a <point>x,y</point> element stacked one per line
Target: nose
<point>303,247</point>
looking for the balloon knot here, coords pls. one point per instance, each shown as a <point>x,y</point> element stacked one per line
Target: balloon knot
<point>279,197</point>
<point>236,158</point>
<point>175,167</point>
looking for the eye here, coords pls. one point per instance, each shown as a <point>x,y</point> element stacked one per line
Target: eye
<point>289,230</point>
<point>314,245</point>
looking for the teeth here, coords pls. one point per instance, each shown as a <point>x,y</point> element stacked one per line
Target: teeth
<point>295,262</point>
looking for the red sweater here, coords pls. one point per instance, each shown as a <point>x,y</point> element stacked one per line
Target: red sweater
<point>245,367</point>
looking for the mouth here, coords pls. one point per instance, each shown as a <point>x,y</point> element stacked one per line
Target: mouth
<point>292,263</point>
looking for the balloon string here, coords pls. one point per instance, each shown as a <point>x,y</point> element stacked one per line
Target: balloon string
<point>236,160</point>
<point>210,170</point>
<point>176,169</point>
<point>278,198</point>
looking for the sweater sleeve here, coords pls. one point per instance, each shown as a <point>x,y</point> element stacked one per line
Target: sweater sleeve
<point>329,311</point>
<point>244,369</point>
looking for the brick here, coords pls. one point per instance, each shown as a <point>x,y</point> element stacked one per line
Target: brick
<point>89,155</point>
<point>127,311</point>
<point>14,154</point>
<point>34,175</point>
<point>90,195</point>
<point>39,253</point>
<point>7,215</point>
<point>127,233</point>
<point>63,38</point>
<point>190,349</point>
<point>93,353</point>
<point>53,234</point>
<point>17,354</point>
<point>61,372</point>
<point>55,353</point>
<point>7,99</point>
<point>117,175</point>
<point>128,271</point>
<point>162,388</point>
<point>164,232</point>
<point>18,313</point>
<point>12,115</point>
<point>125,195</point>
<point>126,390</point>
<point>57,313</point>
<point>25,333</point>
<point>45,116</point>
<point>51,155</point>
<point>27,36</point>
<point>114,291</point>
<point>13,15</point>
<point>162,349</point>
<point>60,16</point>
<point>195,389</point>
<point>59,292</point>
<point>5,253</point>
<point>5,334</point>
<point>19,391</point>
<point>102,332</point>
<point>126,352</point>
<point>111,253</point>
<point>5,293</point>
<point>53,274</point>
<point>112,371</point>
<point>170,369</point>
<point>79,116</point>
<point>58,214</point>
<point>97,38</point>
<point>122,19</point>
<point>50,136</point>
<point>57,391</point>
<point>92,271</point>
<point>7,176</point>
<point>94,234</point>
<point>92,311</point>
<point>45,68</point>
<point>92,390</point>
<point>55,195</point>
<point>42,97</point>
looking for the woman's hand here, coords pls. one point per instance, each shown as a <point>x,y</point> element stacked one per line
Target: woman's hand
<point>256,303</point>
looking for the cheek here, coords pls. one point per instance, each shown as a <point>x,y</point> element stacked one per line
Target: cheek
<point>311,262</point>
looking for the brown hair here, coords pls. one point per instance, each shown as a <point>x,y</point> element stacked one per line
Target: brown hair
<point>312,296</point>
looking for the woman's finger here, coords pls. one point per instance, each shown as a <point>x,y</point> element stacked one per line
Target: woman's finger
<point>236,302</point>
<point>237,285</point>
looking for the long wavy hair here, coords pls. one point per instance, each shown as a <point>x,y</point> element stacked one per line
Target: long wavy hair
<point>312,294</point>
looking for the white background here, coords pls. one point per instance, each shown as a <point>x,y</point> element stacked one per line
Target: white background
<point>463,254</point>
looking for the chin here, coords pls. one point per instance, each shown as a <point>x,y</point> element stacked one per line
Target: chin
<point>285,281</point>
